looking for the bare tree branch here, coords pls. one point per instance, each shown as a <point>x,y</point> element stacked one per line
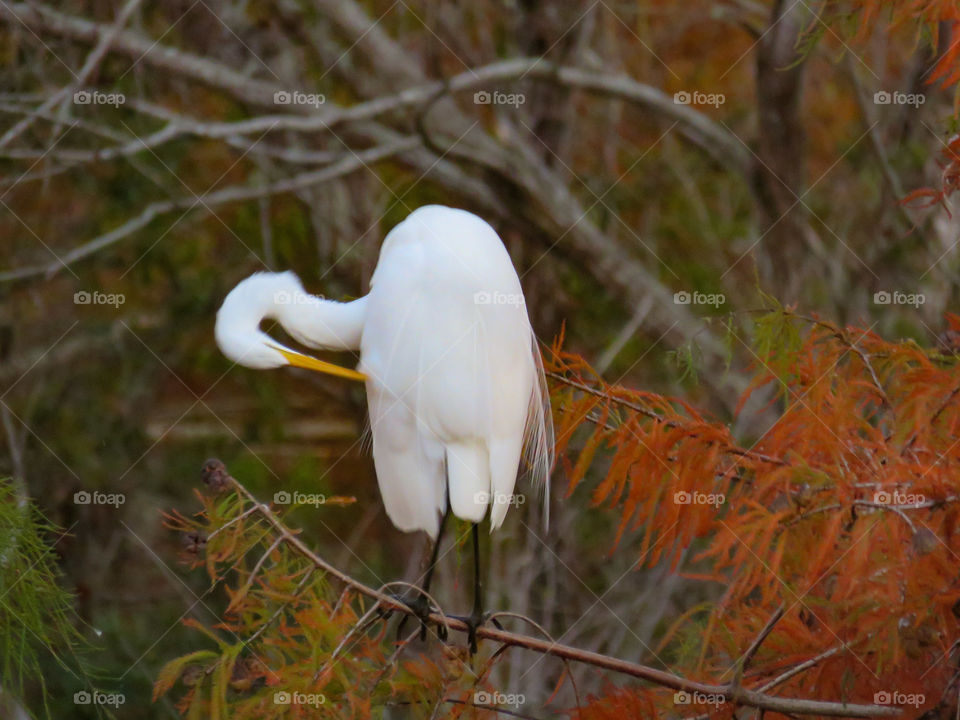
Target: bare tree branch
<point>93,60</point>
<point>522,187</point>
<point>348,164</point>
<point>39,17</point>
<point>712,138</point>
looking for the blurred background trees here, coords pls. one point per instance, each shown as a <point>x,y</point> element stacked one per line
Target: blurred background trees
<point>651,166</point>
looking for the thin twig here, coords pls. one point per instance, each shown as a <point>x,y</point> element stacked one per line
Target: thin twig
<point>653,415</point>
<point>933,418</point>
<point>758,641</point>
<point>538,626</point>
<point>256,568</point>
<point>796,670</point>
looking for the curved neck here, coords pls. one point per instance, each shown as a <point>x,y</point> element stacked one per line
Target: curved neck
<point>320,323</point>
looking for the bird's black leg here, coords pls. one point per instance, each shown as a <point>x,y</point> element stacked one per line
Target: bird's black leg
<point>476,617</point>
<point>436,551</point>
<point>420,605</point>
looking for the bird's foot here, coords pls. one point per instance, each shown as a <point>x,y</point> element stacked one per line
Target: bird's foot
<point>473,621</point>
<point>421,608</point>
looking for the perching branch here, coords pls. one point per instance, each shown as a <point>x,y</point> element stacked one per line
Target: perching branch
<point>216,475</point>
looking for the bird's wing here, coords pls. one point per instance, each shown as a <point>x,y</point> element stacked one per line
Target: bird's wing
<point>409,466</point>
<point>447,334</point>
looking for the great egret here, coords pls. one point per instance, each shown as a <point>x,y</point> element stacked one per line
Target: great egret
<point>454,380</point>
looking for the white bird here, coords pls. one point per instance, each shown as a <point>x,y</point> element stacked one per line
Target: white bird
<point>454,380</point>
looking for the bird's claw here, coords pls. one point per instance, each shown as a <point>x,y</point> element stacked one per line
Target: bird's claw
<point>473,621</point>
<point>421,609</point>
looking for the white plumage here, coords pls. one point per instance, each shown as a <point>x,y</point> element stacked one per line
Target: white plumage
<point>453,375</point>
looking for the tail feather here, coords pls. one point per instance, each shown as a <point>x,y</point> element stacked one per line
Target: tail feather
<point>538,440</point>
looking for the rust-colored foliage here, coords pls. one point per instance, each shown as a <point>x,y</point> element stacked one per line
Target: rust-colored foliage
<point>931,16</point>
<point>845,512</point>
<point>842,516</point>
<point>949,179</point>
<point>294,643</point>
<point>940,19</point>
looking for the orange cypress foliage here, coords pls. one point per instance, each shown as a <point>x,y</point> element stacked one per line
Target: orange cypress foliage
<point>831,543</point>
<point>949,178</point>
<point>925,15</point>
<point>844,512</point>
<point>940,20</point>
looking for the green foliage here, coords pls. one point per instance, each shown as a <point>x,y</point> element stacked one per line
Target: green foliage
<point>294,641</point>
<point>36,614</point>
<point>776,339</point>
<point>686,358</point>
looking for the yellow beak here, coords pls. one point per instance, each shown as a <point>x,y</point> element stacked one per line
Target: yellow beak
<point>311,363</point>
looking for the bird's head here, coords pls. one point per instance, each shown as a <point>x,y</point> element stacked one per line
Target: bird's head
<point>238,334</point>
